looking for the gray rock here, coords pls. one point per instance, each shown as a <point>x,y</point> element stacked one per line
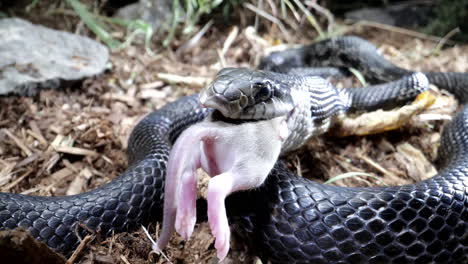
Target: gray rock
<point>34,57</point>
<point>153,12</point>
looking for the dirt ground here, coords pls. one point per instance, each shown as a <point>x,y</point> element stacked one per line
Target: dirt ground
<point>71,140</point>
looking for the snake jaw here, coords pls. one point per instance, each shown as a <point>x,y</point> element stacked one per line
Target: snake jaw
<point>239,109</point>
<point>211,99</point>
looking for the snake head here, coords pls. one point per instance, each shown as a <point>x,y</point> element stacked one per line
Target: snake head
<point>241,93</point>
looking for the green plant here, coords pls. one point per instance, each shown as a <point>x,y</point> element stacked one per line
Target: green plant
<point>449,15</point>
<point>96,24</point>
<point>31,5</point>
<point>189,13</point>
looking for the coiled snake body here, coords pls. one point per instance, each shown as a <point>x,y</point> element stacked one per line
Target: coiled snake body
<point>293,220</point>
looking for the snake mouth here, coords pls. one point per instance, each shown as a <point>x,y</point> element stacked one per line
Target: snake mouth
<point>291,113</point>
<point>218,102</point>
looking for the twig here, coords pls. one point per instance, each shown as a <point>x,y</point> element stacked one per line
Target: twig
<point>294,24</point>
<point>402,31</point>
<point>195,39</point>
<point>62,174</point>
<point>354,175</point>
<point>395,178</point>
<point>154,245</point>
<point>36,132</point>
<point>222,60</point>
<point>293,10</point>
<point>310,18</point>
<point>274,9</point>
<point>18,142</point>
<point>269,17</point>
<point>27,160</point>
<point>51,162</point>
<point>124,259</point>
<point>323,11</point>
<point>256,21</point>
<point>32,190</point>
<point>6,171</point>
<point>18,180</point>
<point>297,165</point>
<point>445,39</point>
<point>75,151</point>
<point>227,44</point>
<point>344,164</point>
<point>230,39</point>
<point>375,165</point>
<point>83,243</point>
<point>173,78</point>
<point>111,243</point>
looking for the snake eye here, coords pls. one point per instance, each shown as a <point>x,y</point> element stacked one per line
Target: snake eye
<point>264,91</point>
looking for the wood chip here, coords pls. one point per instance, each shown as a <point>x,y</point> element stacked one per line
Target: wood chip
<point>417,165</point>
<point>229,40</point>
<point>56,129</point>
<point>36,133</point>
<point>83,243</point>
<point>32,190</point>
<point>151,85</point>
<point>28,160</point>
<point>154,94</point>
<point>8,187</point>
<point>75,151</point>
<point>124,259</point>
<point>61,174</point>
<point>76,167</point>
<point>107,159</point>
<point>51,162</point>
<point>6,172</point>
<point>18,142</point>
<point>78,185</point>
<point>119,97</point>
<point>57,140</point>
<point>187,80</point>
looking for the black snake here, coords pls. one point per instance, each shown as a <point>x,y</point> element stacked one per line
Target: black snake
<point>293,220</point>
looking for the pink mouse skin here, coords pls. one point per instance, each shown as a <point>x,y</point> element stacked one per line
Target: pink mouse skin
<point>236,156</point>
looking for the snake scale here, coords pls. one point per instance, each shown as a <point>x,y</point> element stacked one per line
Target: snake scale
<point>293,220</point>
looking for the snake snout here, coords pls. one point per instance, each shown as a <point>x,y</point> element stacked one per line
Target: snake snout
<point>211,99</point>
<point>227,95</point>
